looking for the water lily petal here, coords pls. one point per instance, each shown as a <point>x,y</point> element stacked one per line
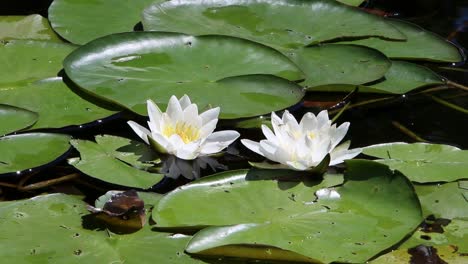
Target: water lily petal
<point>210,114</point>
<point>184,101</point>
<point>291,121</point>
<point>308,122</point>
<point>322,119</point>
<point>141,131</point>
<point>218,141</point>
<point>174,110</point>
<point>154,114</point>
<point>269,134</point>
<point>191,116</point>
<point>208,128</point>
<point>252,145</point>
<point>339,134</point>
<point>297,165</point>
<point>188,151</point>
<point>341,153</point>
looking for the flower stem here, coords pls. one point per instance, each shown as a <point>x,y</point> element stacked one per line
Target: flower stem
<point>408,132</point>
<point>450,105</point>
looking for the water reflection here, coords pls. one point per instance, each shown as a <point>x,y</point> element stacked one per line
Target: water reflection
<point>174,167</point>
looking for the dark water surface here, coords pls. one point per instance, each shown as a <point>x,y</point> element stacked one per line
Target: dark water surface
<point>401,118</point>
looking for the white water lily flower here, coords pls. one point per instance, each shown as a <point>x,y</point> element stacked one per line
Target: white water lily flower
<point>182,132</point>
<point>303,145</point>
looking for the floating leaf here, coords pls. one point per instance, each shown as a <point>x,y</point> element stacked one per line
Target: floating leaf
<point>443,201</point>
<point>71,109</point>
<point>420,45</point>
<point>26,27</point>
<point>422,162</point>
<point>251,208</point>
<point>452,233</point>
<point>130,68</point>
<point>443,254</point>
<point>61,215</point>
<point>25,61</point>
<point>101,161</point>
<point>276,23</point>
<point>402,77</point>
<point>80,21</point>
<point>31,150</point>
<point>339,64</point>
<point>352,2</point>
<point>13,118</point>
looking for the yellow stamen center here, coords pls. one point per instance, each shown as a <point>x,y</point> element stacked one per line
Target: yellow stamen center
<point>311,135</point>
<point>186,132</point>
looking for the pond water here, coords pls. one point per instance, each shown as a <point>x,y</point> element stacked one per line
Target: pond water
<point>412,117</point>
<point>435,115</point>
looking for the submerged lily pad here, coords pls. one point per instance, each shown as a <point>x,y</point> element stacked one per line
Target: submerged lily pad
<point>339,64</point>
<point>80,21</point>
<point>276,23</point>
<point>25,61</point>
<point>420,45</point>
<point>13,118</point>
<point>118,166</point>
<point>71,109</point>
<point>440,254</point>
<point>451,233</point>
<point>351,2</point>
<point>248,209</point>
<point>26,27</point>
<point>130,68</point>
<point>31,150</point>
<point>443,200</point>
<point>422,162</point>
<point>61,215</point>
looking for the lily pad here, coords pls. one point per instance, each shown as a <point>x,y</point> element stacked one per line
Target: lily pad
<point>443,200</point>
<point>13,118</point>
<point>259,211</point>
<point>26,151</point>
<point>61,215</point>
<point>422,162</point>
<point>110,165</point>
<point>130,68</point>
<point>72,108</point>
<point>26,27</point>
<point>454,234</point>
<point>352,2</point>
<point>442,254</point>
<point>419,45</point>
<point>339,64</point>
<point>402,77</point>
<point>281,24</point>
<point>25,61</point>
<point>80,21</point>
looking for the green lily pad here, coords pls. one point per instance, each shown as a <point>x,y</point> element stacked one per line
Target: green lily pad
<point>276,23</point>
<point>14,118</point>
<point>352,2</point>
<point>422,162</point>
<point>246,210</point>
<point>420,45</point>
<point>402,77</point>
<point>26,27</point>
<point>443,201</point>
<point>447,254</point>
<point>72,109</point>
<point>454,234</point>
<point>25,61</point>
<point>102,162</point>
<point>338,64</point>
<point>26,151</point>
<point>61,215</point>
<point>80,21</point>
<point>130,68</point>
